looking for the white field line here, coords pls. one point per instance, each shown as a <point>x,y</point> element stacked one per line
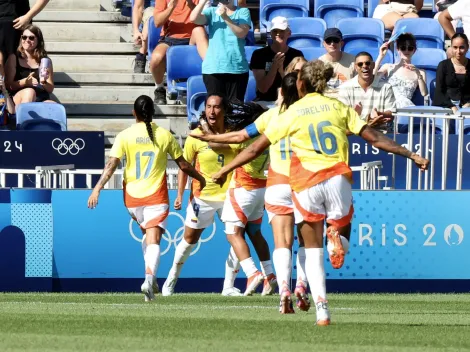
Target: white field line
<point>155,305</point>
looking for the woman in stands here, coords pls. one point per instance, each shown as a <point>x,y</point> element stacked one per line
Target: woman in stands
<point>403,76</point>
<point>320,177</point>
<point>278,198</point>
<point>390,11</point>
<point>225,68</point>
<point>145,146</point>
<point>22,69</point>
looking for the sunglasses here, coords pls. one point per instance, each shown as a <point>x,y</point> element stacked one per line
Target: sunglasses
<point>30,37</point>
<point>332,40</point>
<point>366,63</point>
<point>407,48</point>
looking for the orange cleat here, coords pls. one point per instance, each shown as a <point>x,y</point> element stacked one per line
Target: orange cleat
<point>285,305</point>
<point>301,294</point>
<point>269,286</point>
<point>253,282</point>
<point>335,247</point>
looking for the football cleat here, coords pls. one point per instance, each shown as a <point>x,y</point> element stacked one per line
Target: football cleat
<point>300,292</point>
<point>148,289</point>
<point>169,286</point>
<point>335,247</point>
<point>253,282</point>
<point>323,313</point>
<point>231,291</point>
<point>285,305</point>
<point>269,286</point>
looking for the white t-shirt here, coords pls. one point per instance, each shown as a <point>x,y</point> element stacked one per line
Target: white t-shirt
<point>461,11</point>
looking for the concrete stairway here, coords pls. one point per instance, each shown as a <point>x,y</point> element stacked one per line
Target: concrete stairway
<point>91,48</point>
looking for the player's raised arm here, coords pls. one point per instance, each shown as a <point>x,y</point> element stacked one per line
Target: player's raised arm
<point>108,171</point>
<point>227,138</point>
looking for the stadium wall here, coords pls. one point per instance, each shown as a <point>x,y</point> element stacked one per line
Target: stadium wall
<point>401,241</point>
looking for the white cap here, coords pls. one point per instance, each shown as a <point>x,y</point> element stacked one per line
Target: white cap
<point>279,22</point>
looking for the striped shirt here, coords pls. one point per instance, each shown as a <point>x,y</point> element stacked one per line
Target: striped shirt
<point>379,96</point>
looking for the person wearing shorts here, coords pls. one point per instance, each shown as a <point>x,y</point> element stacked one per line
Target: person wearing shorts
<point>140,18</point>
<point>320,177</point>
<point>390,11</point>
<point>177,29</point>
<point>145,146</point>
<point>204,204</point>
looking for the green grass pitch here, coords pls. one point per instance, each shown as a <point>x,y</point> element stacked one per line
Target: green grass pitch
<point>209,322</point>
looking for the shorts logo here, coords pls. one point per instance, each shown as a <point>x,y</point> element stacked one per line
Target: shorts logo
<point>172,236</point>
<point>194,220</point>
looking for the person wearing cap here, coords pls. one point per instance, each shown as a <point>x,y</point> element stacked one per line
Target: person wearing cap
<point>268,63</point>
<point>343,63</point>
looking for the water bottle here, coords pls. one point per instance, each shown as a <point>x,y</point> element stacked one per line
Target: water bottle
<point>44,68</point>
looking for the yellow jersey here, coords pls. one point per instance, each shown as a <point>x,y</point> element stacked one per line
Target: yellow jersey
<point>145,170</point>
<point>208,161</point>
<point>316,126</point>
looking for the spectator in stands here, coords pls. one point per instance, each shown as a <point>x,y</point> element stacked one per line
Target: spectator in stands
<point>371,97</point>
<point>225,68</point>
<point>14,16</point>
<point>140,18</point>
<point>403,76</point>
<point>453,77</point>
<point>343,63</point>
<point>177,29</point>
<point>457,11</point>
<point>22,69</point>
<point>269,63</point>
<point>10,106</point>
<point>295,65</point>
<point>391,11</point>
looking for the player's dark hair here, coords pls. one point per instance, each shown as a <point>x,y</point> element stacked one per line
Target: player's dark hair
<point>240,114</point>
<point>144,109</point>
<point>315,76</point>
<point>289,91</point>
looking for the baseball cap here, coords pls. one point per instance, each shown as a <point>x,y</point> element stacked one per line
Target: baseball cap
<point>279,22</point>
<point>333,33</point>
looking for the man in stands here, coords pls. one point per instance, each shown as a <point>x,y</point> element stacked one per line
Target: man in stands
<point>342,63</point>
<point>371,97</point>
<point>457,11</point>
<point>177,29</point>
<point>140,18</point>
<point>268,63</point>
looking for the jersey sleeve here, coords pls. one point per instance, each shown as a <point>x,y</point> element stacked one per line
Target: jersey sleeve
<point>353,121</point>
<point>118,151</point>
<point>276,131</point>
<point>174,148</point>
<point>190,147</point>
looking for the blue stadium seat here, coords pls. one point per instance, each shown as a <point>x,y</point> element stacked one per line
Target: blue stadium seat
<point>250,38</point>
<point>306,32</point>
<point>371,5</point>
<point>41,117</point>
<point>250,94</point>
<point>153,37</point>
<point>428,59</point>
<point>334,10</point>
<point>182,62</point>
<point>196,97</point>
<point>361,32</point>
<point>428,31</point>
<point>286,8</point>
<point>313,53</point>
<point>374,51</point>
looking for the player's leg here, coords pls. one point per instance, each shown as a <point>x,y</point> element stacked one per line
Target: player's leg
<point>199,215</point>
<point>158,68</point>
<point>232,267</point>
<point>301,285</point>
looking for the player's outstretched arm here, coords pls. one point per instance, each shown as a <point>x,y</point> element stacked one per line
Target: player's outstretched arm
<point>108,171</point>
<point>186,169</point>
<point>250,153</point>
<point>379,140</point>
<point>226,138</point>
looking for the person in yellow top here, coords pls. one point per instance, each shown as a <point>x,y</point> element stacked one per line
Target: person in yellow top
<point>319,173</point>
<point>145,146</point>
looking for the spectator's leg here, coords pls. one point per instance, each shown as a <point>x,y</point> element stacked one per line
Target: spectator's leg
<point>157,68</point>
<point>236,86</point>
<point>390,19</point>
<point>27,95</point>
<point>214,84</point>
<point>145,38</point>
<point>199,38</point>
<point>411,15</point>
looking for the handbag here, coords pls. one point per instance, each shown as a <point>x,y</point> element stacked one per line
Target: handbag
<point>403,9</point>
<point>444,4</point>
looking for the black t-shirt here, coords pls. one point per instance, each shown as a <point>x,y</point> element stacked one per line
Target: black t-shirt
<point>7,10</point>
<point>262,59</point>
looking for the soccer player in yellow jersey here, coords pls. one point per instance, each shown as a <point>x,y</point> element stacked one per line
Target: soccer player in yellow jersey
<point>145,147</point>
<point>320,176</point>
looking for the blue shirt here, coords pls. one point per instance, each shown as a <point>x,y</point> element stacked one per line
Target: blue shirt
<point>226,52</point>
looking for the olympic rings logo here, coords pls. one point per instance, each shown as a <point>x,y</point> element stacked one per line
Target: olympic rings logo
<point>68,146</point>
<point>176,237</point>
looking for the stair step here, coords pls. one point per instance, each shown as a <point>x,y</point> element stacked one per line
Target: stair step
<point>91,47</point>
<point>72,4</point>
<point>113,109</point>
<point>86,32</point>
<point>124,94</point>
<point>79,16</point>
<point>83,78</point>
<point>107,125</point>
<point>93,63</point>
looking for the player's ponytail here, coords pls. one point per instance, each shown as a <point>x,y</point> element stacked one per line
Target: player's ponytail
<point>144,110</point>
<point>289,91</point>
<point>315,76</point>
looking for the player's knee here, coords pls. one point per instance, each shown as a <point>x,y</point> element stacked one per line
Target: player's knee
<point>234,229</point>
<point>253,229</point>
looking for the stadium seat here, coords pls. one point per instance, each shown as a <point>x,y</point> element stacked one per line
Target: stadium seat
<point>428,31</point>
<point>182,62</point>
<point>361,32</point>
<point>286,8</point>
<point>334,10</point>
<point>374,51</point>
<point>196,97</point>
<point>41,116</point>
<point>306,32</point>
<point>250,38</point>
<point>250,94</point>
<point>371,5</point>
<point>153,38</point>
<point>428,60</point>
<point>313,53</point>
<point>249,52</point>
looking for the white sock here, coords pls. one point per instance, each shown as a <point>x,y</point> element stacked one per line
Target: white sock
<point>183,250</point>
<point>267,267</point>
<point>248,266</point>
<point>315,273</point>
<point>300,263</point>
<point>344,242</point>
<point>282,258</point>
<point>159,85</point>
<point>232,267</point>
<point>152,259</point>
